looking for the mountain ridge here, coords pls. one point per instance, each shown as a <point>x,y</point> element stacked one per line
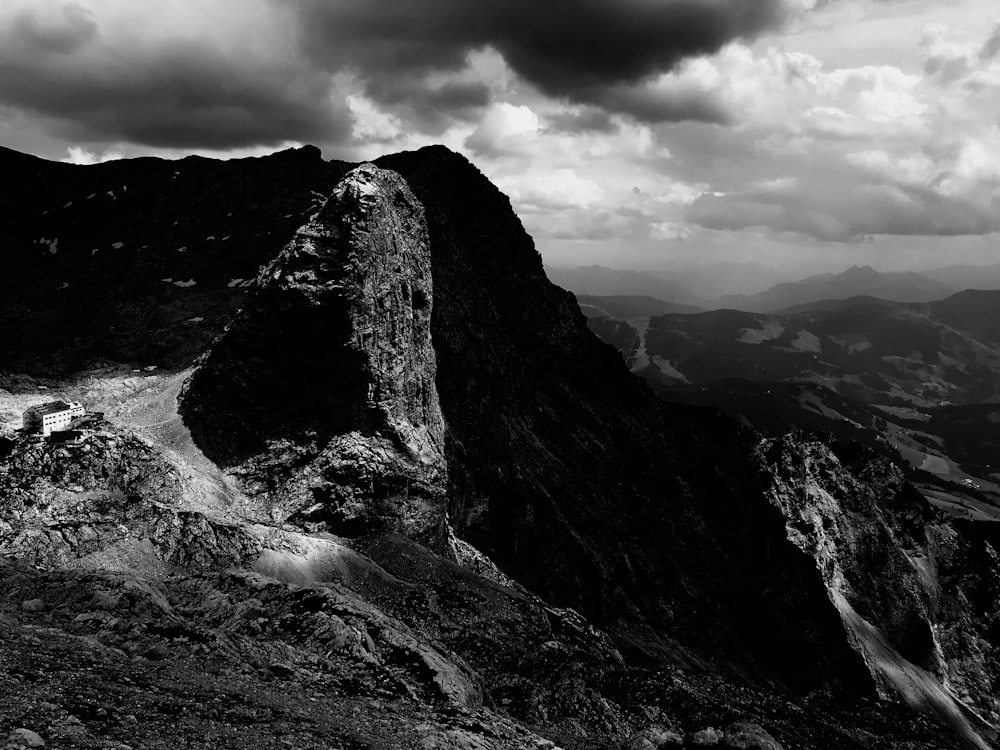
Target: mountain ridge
<point>649,557</point>
<point>895,286</point>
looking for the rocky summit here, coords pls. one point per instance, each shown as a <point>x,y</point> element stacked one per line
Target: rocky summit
<point>357,475</point>
<point>321,394</point>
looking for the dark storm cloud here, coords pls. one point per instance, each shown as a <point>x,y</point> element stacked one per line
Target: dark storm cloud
<point>239,73</point>
<point>62,32</point>
<point>426,106</point>
<point>56,64</point>
<point>585,51</point>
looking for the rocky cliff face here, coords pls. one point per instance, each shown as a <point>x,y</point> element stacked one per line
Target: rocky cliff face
<point>321,397</point>
<point>579,483</point>
<point>916,590</point>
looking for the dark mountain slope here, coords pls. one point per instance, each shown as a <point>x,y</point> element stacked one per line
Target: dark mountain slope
<point>603,281</point>
<point>628,306</point>
<point>977,312</point>
<point>143,260</point>
<point>567,471</point>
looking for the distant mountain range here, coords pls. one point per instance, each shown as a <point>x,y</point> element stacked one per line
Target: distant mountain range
<point>967,277</point>
<point>685,289</point>
<point>628,306</point>
<point>603,281</point>
<point>917,381</point>
<point>856,281</point>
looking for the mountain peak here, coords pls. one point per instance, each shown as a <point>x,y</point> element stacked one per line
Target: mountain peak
<point>307,153</point>
<point>860,272</point>
<point>331,363</point>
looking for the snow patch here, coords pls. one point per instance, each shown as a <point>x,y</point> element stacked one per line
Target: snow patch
<point>668,369</point>
<point>118,245</point>
<point>234,282</point>
<point>91,196</point>
<point>807,342</point>
<point>195,320</point>
<point>68,204</point>
<point>853,342</point>
<point>54,246</point>
<point>769,332</point>
<point>185,284</point>
<point>111,193</point>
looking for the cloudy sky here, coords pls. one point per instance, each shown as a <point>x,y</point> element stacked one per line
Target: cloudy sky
<point>805,134</point>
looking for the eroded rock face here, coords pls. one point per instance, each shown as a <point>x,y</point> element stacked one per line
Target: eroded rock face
<point>320,397</point>
<point>111,502</point>
<point>580,484</point>
<point>915,589</point>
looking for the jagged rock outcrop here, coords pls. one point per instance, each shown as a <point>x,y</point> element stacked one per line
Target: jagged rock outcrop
<point>579,483</point>
<point>321,397</point>
<point>111,502</point>
<point>917,591</point>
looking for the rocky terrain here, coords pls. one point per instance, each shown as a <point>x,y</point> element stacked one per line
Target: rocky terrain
<point>393,493</point>
<point>342,319</point>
